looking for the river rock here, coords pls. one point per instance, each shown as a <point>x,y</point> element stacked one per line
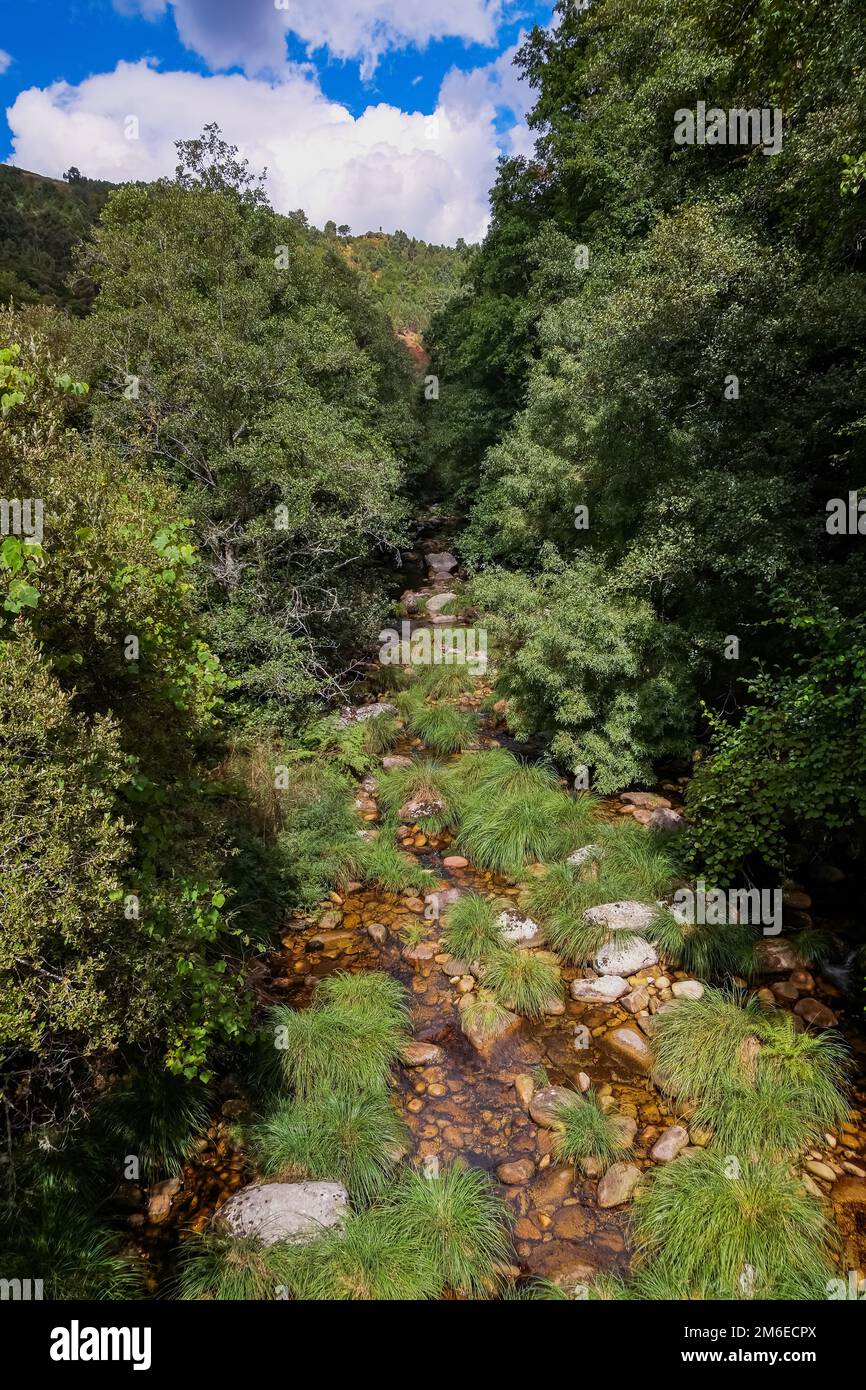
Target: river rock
<point>617,1185</point>
<point>415,955</point>
<point>585,855</point>
<point>816,1013</point>
<point>421,1054</point>
<point>624,916</point>
<point>437,602</point>
<point>378,932</point>
<point>412,811</point>
<point>274,1211</point>
<point>625,956</point>
<point>687,989</point>
<point>358,714</point>
<point>516,1172</point>
<point>395,760</point>
<point>670,1144</point>
<point>666,821</point>
<point>776,956</point>
<point>628,1045</point>
<point>637,1000</point>
<point>546,1104</point>
<point>520,930</point>
<point>159,1199</point>
<point>602,991</point>
<point>648,801</point>
<point>436,903</point>
<point>440,563</point>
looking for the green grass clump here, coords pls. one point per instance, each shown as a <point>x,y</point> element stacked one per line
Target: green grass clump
<point>460,1225</point>
<point>585,1130</point>
<point>558,901</point>
<point>446,682</point>
<point>379,733</point>
<point>373,1258</point>
<point>703,949</point>
<point>381,863</point>
<point>156,1116</point>
<point>366,989</point>
<point>470,927</point>
<point>649,863</point>
<point>707,1045</point>
<point>338,1046</point>
<point>483,1014</point>
<point>715,1049</point>
<point>426,782</point>
<point>442,728</point>
<point>59,1238</point>
<point>233,1269</point>
<point>355,1140</point>
<point>710,1233</point>
<point>766,1119</point>
<point>522,980</point>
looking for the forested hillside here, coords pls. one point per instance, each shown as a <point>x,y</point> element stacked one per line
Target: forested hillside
<point>433,828</point>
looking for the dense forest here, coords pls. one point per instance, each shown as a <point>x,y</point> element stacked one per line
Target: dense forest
<point>433,704</point>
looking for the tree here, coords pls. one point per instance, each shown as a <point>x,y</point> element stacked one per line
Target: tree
<point>271,389</point>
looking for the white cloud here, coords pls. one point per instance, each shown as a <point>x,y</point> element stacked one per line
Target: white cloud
<point>5,60</point>
<point>429,175</point>
<point>252,34</point>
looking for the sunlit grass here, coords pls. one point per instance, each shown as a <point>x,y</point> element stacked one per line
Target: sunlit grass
<point>457,1220</point>
<point>470,927</point>
<point>338,1046</point>
<point>483,1014</point>
<point>354,1140</point>
<point>712,1230</point>
<point>585,1130</point>
<point>523,981</point>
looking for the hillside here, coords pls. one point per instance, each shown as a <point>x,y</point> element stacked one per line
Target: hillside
<point>413,278</point>
<point>41,221</point>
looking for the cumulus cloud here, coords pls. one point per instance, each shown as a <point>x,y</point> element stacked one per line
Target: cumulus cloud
<point>429,175</point>
<point>5,60</point>
<point>252,35</point>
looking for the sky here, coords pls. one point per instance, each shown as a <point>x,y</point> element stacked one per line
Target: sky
<point>373,113</point>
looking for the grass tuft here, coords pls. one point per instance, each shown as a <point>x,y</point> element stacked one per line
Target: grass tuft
<point>715,1232</point>
<point>457,1220</point>
<point>470,927</point>
<point>522,980</point>
<point>585,1130</point>
<point>355,1140</point>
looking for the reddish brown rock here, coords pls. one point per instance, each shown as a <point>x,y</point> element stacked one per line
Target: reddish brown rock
<point>515,1172</point>
<point>816,1013</point>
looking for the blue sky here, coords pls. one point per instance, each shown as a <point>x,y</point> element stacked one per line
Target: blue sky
<point>386,111</point>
